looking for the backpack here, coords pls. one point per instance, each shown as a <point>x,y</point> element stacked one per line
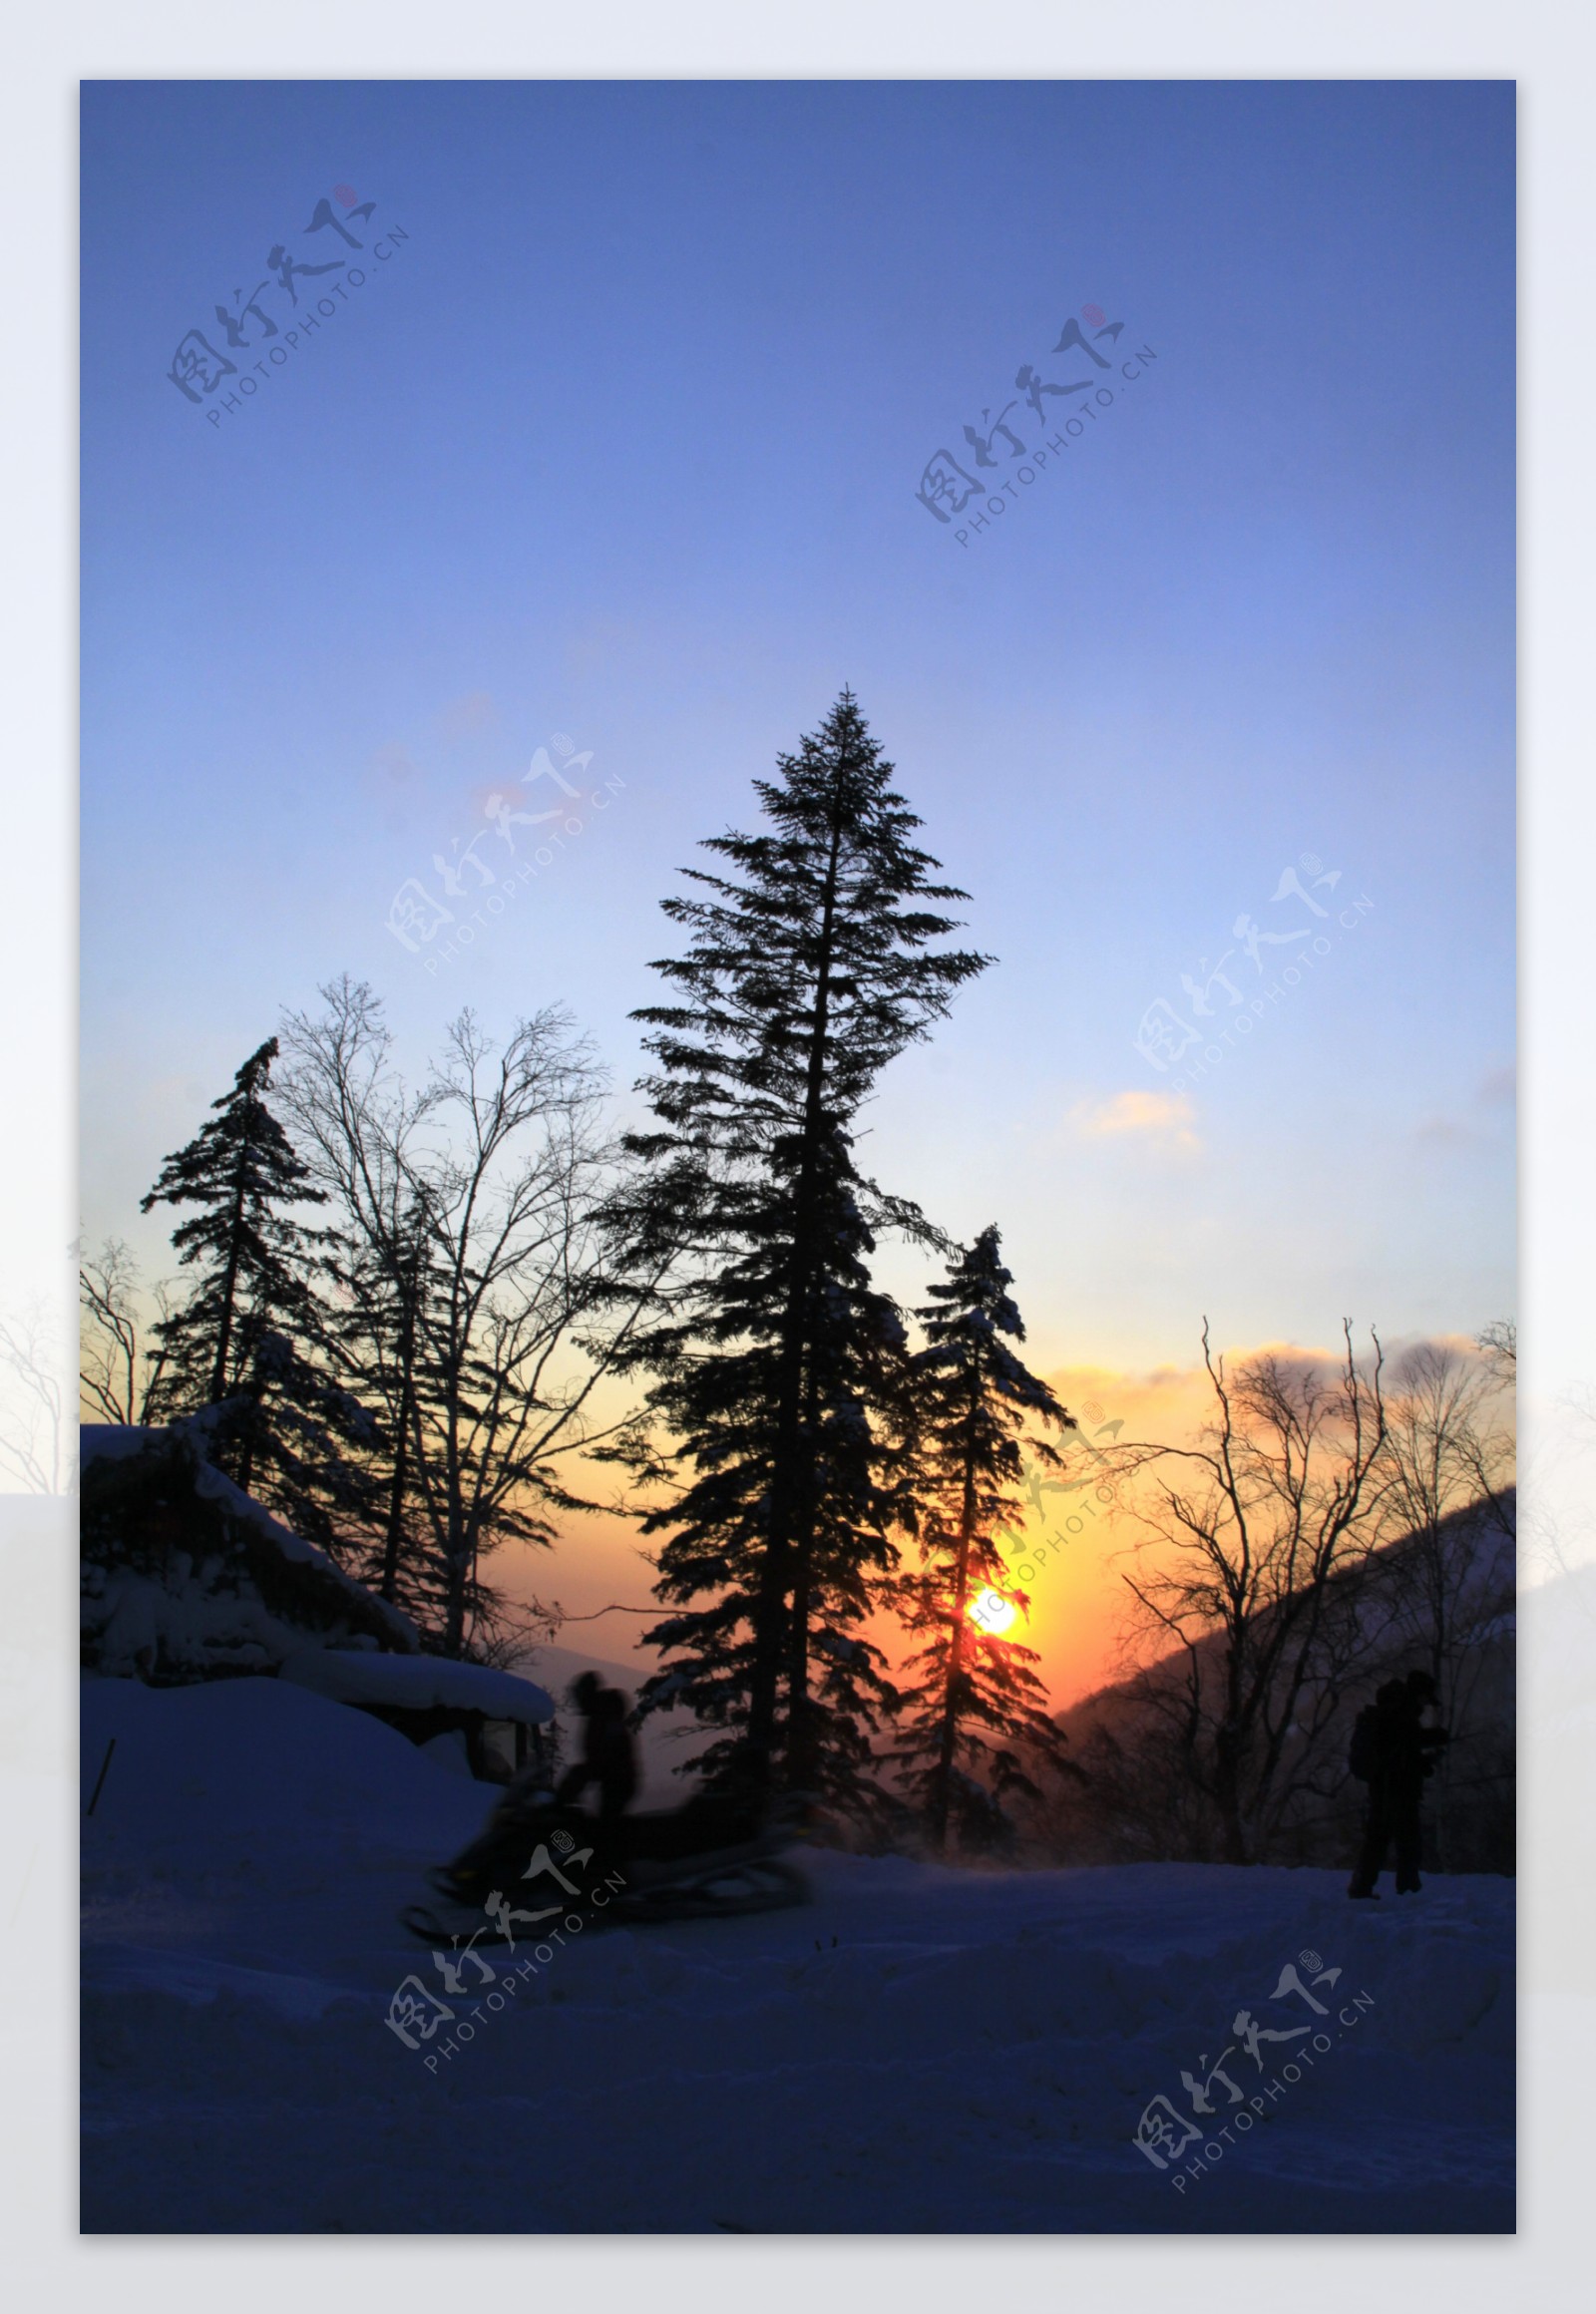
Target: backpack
<point>1363,1753</point>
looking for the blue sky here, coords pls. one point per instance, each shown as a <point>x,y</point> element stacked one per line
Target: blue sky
<point>623,443</point>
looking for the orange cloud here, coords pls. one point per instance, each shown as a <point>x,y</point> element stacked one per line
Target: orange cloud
<point>1165,1119</point>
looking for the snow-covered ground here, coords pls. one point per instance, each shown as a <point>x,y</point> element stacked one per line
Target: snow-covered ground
<point>917,2050</point>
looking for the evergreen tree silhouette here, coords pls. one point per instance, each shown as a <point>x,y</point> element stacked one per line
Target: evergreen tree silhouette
<point>379,1335</point>
<point>975,1699</point>
<point>240,1340</point>
<point>777,1366</point>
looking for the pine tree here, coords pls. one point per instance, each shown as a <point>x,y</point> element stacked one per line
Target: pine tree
<point>975,1703</point>
<point>778,1366</point>
<point>243,1336</point>
<point>379,1335</point>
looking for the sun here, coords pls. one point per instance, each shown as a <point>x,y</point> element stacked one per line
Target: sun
<point>992,1613</point>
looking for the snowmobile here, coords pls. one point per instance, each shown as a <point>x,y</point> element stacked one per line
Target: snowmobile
<point>536,1861</point>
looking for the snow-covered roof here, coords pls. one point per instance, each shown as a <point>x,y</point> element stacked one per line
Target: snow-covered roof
<point>418,1683</point>
<point>113,1442</point>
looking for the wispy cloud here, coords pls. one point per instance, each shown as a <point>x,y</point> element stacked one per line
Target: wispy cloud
<point>474,712</point>
<point>1444,1133</point>
<point>394,767</point>
<point>1497,1089</point>
<point>1164,1119</point>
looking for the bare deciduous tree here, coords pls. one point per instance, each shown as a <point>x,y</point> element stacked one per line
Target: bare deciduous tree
<point>123,1357</point>
<point>1447,1510</point>
<point>1447,1451</point>
<point>1242,1564</point>
<point>510,1315</point>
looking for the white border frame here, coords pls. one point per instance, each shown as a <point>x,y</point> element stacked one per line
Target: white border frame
<point>1548,49</point>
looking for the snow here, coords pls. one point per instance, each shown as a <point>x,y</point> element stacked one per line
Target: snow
<point>217,1487</point>
<point>918,2049</point>
<point>199,1614</point>
<point>419,1682</point>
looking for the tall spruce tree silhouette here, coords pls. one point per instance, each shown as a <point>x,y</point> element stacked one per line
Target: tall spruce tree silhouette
<point>242,1335</point>
<point>974,1696</point>
<point>810,965</point>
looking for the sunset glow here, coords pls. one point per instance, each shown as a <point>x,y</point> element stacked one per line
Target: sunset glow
<point>992,1613</point>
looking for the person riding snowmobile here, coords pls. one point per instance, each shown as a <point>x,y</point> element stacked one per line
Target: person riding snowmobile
<point>607,1757</point>
<point>718,1854</point>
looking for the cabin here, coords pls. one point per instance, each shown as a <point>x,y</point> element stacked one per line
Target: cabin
<point>185,1577</point>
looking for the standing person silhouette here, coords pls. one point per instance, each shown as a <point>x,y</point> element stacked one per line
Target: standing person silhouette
<point>607,1757</point>
<point>1402,1754</point>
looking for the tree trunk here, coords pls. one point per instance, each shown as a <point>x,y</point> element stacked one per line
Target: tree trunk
<point>229,1284</point>
<point>394,1535</point>
<point>787,1489</point>
<point>454,1630</point>
<point>1226,1798</point>
<point>943,1795</point>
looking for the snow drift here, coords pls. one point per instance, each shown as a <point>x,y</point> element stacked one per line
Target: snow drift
<point>419,1682</point>
<point>918,2050</point>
